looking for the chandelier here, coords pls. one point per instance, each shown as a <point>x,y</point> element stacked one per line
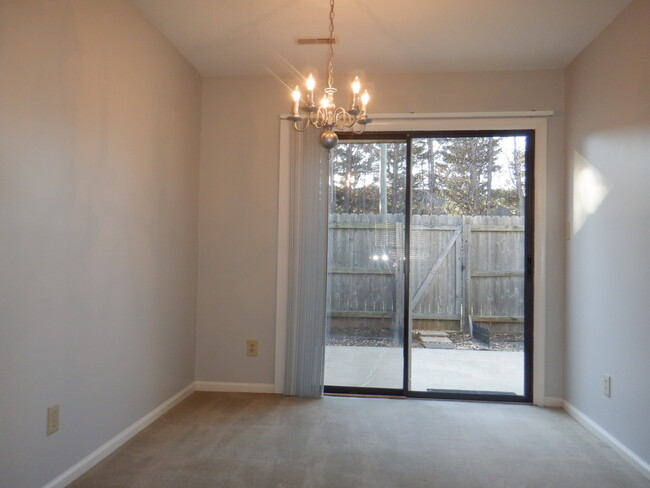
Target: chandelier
<point>327,115</point>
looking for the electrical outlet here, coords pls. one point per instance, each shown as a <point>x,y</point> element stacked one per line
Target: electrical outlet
<point>251,347</point>
<point>607,385</point>
<point>52,419</point>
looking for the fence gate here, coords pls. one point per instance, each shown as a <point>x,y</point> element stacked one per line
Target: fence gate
<point>461,267</point>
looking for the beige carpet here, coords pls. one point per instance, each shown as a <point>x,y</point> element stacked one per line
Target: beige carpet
<point>250,440</point>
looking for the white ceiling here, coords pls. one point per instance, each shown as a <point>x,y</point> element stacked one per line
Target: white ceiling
<point>229,37</point>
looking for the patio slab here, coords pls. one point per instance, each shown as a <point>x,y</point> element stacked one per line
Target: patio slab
<point>439,369</point>
<point>437,342</point>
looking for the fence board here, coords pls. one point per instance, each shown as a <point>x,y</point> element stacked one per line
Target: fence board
<point>480,273</point>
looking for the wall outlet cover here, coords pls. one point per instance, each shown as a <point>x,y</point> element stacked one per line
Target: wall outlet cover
<point>251,347</point>
<point>52,419</point>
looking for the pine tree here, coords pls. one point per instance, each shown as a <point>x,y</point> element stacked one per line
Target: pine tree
<point>465,171</point>
<point>517,168</point>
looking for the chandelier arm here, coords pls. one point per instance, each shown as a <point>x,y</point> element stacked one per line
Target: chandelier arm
<point>352,120</point>
<point>344,119</point>
<point>311,120</point>
<point>320,119</point>
<point>339,118</point>
<point>357,132</point>
<point>304,127</point>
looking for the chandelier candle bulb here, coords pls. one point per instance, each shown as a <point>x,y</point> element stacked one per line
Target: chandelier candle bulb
<point>356,88</point>
<point>296,102</point>
<point>296,94</point>
<point>365,98</point>
<point>356,85</point>
<point>310,84</point>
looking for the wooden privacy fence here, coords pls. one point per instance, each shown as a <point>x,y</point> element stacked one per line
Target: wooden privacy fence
<point>460,267</point>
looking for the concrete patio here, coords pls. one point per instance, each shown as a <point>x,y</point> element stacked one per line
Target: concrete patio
<point>440,369</point>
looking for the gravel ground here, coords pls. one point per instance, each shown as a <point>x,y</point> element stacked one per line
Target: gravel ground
<point>498,342</point>
<point>362,341</point>
<point>385,338</point>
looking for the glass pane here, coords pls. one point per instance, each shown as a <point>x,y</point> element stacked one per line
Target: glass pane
<point>467,264</point>
<point>365,314</point>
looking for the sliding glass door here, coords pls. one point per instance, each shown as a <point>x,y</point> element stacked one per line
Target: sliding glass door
<point>366,266</point>
<point>467,259</point>
<point>429,277</point>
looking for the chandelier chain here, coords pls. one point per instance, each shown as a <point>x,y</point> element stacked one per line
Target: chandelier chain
<point>330,66</point>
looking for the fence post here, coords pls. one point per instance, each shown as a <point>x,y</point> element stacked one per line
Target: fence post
<point>399,286</point>
<point>458,303</point>
<point>467,291</point>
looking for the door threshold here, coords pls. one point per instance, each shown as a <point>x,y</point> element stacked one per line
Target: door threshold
<point>362,395</point>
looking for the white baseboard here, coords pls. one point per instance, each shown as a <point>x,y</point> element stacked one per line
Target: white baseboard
<point>614,443</point>
<point>72,473</point>
<point>553,402</point>
<point>235,387</point>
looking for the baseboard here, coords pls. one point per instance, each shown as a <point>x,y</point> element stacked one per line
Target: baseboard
<point>234,387</point>
<point>97,455</point>
<point>553,402</point>
<point>614,443</point>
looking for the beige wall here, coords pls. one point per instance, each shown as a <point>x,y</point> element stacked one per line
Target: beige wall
<point>239,198</point>
<point>238,228</point>
<point>608,150</point>
<point>99,150</point>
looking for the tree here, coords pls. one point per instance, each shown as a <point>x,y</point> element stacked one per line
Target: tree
<point>456,176</point>
<point>426,197</point>
<point>517,167</point>
<point>364,176</point>
<point>466,167</point>
<point>354,178</point>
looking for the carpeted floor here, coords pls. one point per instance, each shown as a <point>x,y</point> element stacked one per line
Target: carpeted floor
<point>237,440</point>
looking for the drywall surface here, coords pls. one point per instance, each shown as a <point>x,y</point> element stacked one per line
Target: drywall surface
<point>608,275</point>
<point>239,201</point>
<point>99,154</point>
<point>238,228</point>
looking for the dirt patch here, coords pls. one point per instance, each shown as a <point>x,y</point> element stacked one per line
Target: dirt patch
<point>498,342</point>
<point>364,337</point>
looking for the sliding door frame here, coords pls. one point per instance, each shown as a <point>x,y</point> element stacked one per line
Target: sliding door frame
<point>529,275</point>
<point>537,120</point>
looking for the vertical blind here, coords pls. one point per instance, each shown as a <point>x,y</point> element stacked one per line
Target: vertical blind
<point>305,352</point>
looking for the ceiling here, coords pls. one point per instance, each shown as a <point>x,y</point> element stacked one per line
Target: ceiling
<point>234,37</point>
